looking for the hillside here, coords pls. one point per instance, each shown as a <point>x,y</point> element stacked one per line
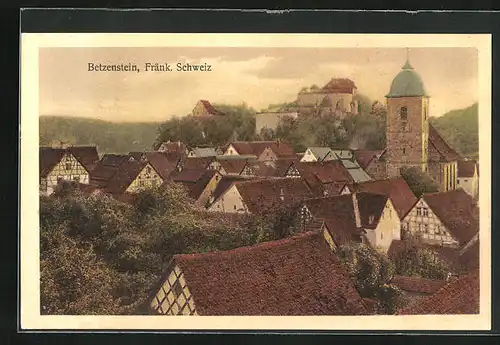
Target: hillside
<point>110,137</point>
<point>460,129</point>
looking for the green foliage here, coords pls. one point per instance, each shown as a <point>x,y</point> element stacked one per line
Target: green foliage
<point>460,129</point>
<point>110,137</point>
<point>419,181</point>
<point>371,272</point>
<point>237,120</point>
<point>420,261</point>
<point>128,246</point>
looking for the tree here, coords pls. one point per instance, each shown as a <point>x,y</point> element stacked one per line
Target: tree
<point>419,181</point>
<point>420,261</point>
<point>371,272</point>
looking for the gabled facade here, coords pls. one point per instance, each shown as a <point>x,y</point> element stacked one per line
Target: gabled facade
<point>422,221</point>
<point>146,178</point>
<point>387,229</point>
<point>230,201</point>
<point>173,296</point>
<point>468,177</point>
<point>293,171</point>
<point>316,154</point>
<point>197,152</point>
<point>59,165</point>
<point>204,108</point>
<point>444,219</point>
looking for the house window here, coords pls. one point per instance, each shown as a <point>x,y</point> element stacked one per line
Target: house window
<point>404,150</point>
<point>458,181</point>
<point>141,182</point>
<point>234,206</point>
<point>216,177</point>
<point>59,179</point>
<point>76,178</point>
<point>148,170</point>
<point>68,165</point>
<point>425,113</point>
<point>371,219</point>
<point>426,228</point>
<point>466,180</point>
<point>403,113</point>
<point>425,211</point>
<point>419,211</point>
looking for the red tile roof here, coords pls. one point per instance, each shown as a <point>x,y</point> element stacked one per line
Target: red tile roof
<point>457,211</point>
<point>256,148</point>
<point>233,166</point>
<point>173,147</point>
<point>469,259</point>
<point>162,163</point>
<point>107,167</point>
<point>364,157</point>
<point>49,157</point>
<point>210,108</point>
<point>466,168</point>
<point>343,230</point>
<point>294,276</point>
<point>326,172</point>
<point>460,296</point>
<point>417,284</point>
<point>396,189</point>
<point>447,153</point>
<point>264,195</point>
<point>195,189</point>
<point>197,163</point>
<point>127,172</point>
<point>187,175</point>
<point>86,155</point>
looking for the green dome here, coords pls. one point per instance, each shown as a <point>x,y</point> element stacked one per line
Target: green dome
<point>407,83</point>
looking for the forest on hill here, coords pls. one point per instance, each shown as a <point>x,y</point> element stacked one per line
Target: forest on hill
<point>365,131</point>
<point>460,129</point>
<point>110,137</point>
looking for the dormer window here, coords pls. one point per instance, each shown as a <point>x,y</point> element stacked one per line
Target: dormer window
<point>403,113</point>
<point>371,219</point>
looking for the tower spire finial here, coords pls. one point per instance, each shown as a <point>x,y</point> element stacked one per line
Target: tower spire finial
<point>407,64</point>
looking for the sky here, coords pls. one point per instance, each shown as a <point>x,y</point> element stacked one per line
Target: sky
<point>256,76</point>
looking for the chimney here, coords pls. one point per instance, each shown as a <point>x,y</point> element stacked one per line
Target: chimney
<point>356,209</point>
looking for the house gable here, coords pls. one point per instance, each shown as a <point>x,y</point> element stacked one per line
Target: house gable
<point>174,297</point>
<point>231,151</point>
<point>421,220</point>
<point>230,201</point>
<point>67,169</point>
<point>267,155</point>
<point>387,230</point>
<point>292,171</point>
<point>328,237</point>
<point>309,156</point>
<point>147,177</point>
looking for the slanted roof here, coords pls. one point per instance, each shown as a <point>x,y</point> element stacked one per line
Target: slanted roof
<point>232,166</point>
<point>173,147</point>
<point>397,189</point>
<point>107,166</point>
<point>294,276</point>
<point>264,195</point>
<point>86,155</point>
<point>459,296</point>
<point>446,152</point>
<point>204,151</point>
<point>256,148</point>
<point>197,163</point>
<point>342,231</point>
<point>457,211</point>
<point>466,168</point>
<point>326,172</point>
<point>127,172</point>
<point>469,259</point>
<point>210,108</point>
<point>225,183</point>
<point>195,189</point>
<point>341,208</point>
<point>364,157</point>
<point>319,152</point>
<point>164,164</point>
<point>49,158</point>
<point>187,175</point>
<point>417,284</point>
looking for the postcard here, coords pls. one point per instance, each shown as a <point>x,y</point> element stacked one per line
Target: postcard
<point>287,182</point>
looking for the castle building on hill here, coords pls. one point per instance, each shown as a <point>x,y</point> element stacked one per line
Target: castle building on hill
<point>411,139</point>
<point>337,95</point>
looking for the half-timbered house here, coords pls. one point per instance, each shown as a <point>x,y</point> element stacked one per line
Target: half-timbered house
<point>299,275</point>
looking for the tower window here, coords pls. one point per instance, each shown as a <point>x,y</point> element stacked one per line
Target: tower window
<point>403,113</point>
<point>425,113</point>
<point>404,151</point>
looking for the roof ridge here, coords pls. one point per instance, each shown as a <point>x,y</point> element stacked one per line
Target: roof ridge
<point>310,235</point>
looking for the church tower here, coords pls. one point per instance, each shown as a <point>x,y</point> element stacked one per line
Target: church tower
<point>407,130</point>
